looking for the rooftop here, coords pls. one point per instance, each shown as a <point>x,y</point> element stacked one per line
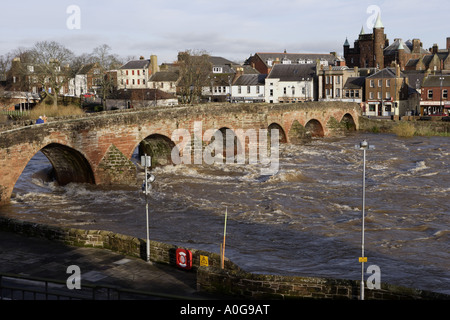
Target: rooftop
<point>293,72</point>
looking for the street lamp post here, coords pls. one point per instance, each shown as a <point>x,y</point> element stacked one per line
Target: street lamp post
<point>146,187</point>
<point>440,101</point>
<point>364,145</point>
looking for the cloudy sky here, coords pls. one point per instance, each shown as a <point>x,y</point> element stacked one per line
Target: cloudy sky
<point>232,29</point>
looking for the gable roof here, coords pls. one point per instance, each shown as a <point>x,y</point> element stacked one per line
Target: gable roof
<point>293,72</point>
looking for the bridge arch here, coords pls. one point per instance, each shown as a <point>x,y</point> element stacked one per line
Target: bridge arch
<point>159,147</point>
<point>281,133</point>
<point>230,149</point>
<point>348,122</point>
<point>69,165</point>
<point>315,128</point>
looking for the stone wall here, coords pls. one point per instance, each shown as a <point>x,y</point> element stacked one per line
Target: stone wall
<point>231,280</point>
<point>243,285</point>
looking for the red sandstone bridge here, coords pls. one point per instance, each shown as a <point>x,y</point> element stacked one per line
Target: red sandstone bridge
<point>97,148</point>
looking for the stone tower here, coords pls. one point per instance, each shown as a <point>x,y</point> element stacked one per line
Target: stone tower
<point>379,42</point>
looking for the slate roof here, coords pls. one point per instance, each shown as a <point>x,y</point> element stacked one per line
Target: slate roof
<point>355,83</point>
<point>386,73</point>
<point>86,68</point>
<point>294,57</point>
<point>250,80</point>
<point>434,81</point>
<point>165,76</point>
<point>395,46</point>
<point>293,72</point>
<point>136,64</point>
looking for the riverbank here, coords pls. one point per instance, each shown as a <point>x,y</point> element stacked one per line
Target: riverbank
<point>405,127</point>
<point>231,281</point>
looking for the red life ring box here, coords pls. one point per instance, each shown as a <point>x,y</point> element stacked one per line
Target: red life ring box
<point>184,258</point>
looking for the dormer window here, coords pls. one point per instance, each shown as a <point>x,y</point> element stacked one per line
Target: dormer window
<point>269,62</point>
<point>30,68</point>
<point>285,61</point>
<point>217,69</point>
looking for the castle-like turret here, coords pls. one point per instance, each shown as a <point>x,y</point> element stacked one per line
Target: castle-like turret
<point>378,43</point>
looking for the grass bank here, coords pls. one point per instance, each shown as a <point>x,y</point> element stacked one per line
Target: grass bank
<point>55,111</point>
<point>406,128</point>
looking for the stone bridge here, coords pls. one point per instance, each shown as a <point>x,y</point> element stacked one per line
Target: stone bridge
<point>97,148</point>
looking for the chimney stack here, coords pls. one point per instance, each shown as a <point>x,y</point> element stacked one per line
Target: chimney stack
<point>435,48</point>
<point>448,43</point>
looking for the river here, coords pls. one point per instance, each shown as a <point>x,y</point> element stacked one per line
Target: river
<point>306,220</point>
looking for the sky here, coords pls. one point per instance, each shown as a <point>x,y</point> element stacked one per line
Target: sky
<point>231,29</point>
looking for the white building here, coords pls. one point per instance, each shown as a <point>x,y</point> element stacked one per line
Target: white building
<point>290,83</point>
<point>248,88</point>
<point>135,74</point>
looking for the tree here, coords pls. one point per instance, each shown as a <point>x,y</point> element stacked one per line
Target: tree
<point>51,66</point>
<point>106,62</point>
<point>195,68</point>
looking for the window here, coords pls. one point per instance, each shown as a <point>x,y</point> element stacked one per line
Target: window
<point>380,83</point>
<point>139,72</point>
<point>127,72</point>
<point>133,81</point>
<point>378,95</point>
<point>371,95</point>
<point>257,89</point>
<point>388,95</point>
<point>430,94</point>
<point>338,80</point>
<point>284,90</point>
<point>239,89</point>
<point>132,72</point>
<point>372,84</point>
<point>388,83</point>
<point>139,81</point>
<point>271,92</point>
<point>444,94</point>
<point>248,89</point>
<point>293,91</point>
<point>356,93</point>
<point>31,68</point>
<point>217,69</point>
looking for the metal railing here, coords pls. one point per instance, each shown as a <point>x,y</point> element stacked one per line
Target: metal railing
<point>19,287</point>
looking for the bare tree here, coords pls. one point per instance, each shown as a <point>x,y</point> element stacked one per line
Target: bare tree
<point>52,66</point>
<point>195,67</point>
<point>106,62</point>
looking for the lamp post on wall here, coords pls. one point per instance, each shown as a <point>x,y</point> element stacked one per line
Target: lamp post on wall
<point>146,162</point>
<point>364,145</point>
